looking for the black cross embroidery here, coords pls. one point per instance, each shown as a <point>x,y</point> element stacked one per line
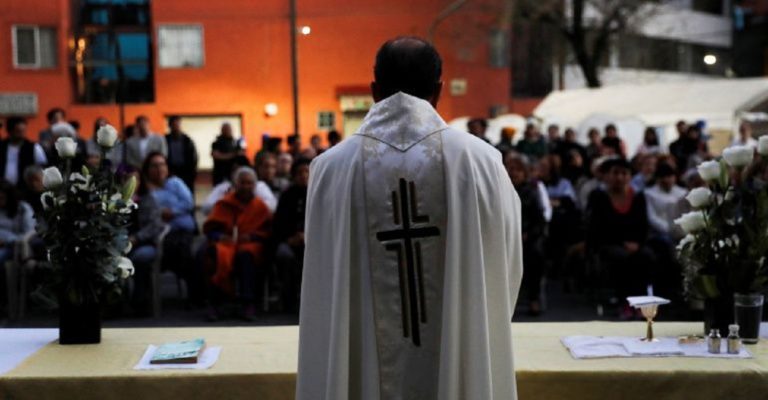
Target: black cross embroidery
<point>412,301</point>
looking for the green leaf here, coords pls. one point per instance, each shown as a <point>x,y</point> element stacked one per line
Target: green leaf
<point>706,285</point>
<point>724,178</point>
<point>128,188</point>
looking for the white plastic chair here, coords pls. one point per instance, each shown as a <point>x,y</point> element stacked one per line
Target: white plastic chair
<point>156,271</point>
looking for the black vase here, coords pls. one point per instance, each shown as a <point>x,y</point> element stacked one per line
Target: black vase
<point>79,323</point>
<point>718,314</point>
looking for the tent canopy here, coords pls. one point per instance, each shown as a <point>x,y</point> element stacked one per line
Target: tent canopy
<point>718,102</point>
<point>659,103</point>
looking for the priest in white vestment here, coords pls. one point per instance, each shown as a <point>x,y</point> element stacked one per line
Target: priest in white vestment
<point>413,252</point>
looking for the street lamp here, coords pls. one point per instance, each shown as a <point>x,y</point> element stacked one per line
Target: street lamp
<point>710,59</point>
<point>294,66</point>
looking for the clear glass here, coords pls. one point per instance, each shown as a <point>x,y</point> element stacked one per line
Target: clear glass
<point>748,310</point>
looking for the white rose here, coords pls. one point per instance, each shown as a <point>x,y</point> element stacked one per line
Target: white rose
<point>66,147</point>
<point>762,145</point>
<point>688,239</point>
<point>52,178</point>
<point>709,170</point>
<point>692,221</point>
<point>106,136</point>
<point>125,267</point>
<point>63,129</point>
<point>739,156</point>
<point>730,194</point>
<point>699,197</point>
<point>79,182</point>
<point>47,200</point>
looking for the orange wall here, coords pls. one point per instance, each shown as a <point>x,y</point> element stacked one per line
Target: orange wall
<point>247,59</point>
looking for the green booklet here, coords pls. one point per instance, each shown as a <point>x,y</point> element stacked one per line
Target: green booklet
<point>186,352</point>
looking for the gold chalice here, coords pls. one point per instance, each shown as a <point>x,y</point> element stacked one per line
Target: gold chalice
<point>649,312</point>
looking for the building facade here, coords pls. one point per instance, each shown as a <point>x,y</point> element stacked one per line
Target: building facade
<point>230,60</point>
<point>674,40</point>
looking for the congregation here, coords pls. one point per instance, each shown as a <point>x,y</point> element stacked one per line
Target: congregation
<point>600,220</point>
<point>593,217</point>
<point>242,244</point>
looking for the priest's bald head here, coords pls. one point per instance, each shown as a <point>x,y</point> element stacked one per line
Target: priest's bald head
<point>410,65</point>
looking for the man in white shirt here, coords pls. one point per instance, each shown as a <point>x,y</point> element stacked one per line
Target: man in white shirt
<point>744,137</point>
<point>17,153</point>
<point>143,143</point>
<point>663,201</point>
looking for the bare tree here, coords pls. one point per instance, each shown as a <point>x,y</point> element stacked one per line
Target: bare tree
<point>588,26</point>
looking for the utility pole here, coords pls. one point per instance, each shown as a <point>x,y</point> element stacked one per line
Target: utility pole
<point>294,68</point>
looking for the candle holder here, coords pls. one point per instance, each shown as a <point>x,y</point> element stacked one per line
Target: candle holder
<point>649,312</point>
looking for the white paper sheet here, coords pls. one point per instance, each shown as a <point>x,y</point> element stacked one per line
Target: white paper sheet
<point>582,347</point>
<point>18,344</point>
<point>207,359</point>
<point>660,348</point>
<point>639,301</point>
<point>586,347</point>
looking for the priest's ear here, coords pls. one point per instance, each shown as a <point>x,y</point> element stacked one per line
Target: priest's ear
<point>436,94</point>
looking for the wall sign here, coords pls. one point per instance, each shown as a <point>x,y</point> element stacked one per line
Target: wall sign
<point>18,103</point>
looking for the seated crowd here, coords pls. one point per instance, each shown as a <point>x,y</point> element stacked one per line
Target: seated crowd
<point>248,234</point>
<point>592,216</point>
<point>597,218</point>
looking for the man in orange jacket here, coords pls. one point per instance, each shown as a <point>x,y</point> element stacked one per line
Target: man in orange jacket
<point>238,228</point>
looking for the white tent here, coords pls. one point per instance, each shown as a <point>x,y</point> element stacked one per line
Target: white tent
<point>660,105</point>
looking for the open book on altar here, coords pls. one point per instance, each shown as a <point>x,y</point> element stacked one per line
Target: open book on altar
<point>186,352</point>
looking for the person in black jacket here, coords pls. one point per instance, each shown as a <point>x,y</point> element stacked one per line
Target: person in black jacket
<point>143,233</point>
<point>289,233</point>
<point>226,152</point>
<point>17,153</point>
<point>533,227</point>
<point>182,154</point>
<point>617,226</point>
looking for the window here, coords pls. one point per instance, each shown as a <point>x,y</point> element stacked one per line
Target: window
<point>640,52</point>
<point>532,58</point>
<point>326,120</point>
<point>34,47</point>
<point>180,46</point>
<point>112,52</point>
<point>499,48</point>
<point>709,6</point>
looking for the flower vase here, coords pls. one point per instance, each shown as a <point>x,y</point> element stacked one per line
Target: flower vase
<point>79,323</point>
<point>718,314</point>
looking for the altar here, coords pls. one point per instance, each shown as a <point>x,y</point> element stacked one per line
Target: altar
<point>260,363</point>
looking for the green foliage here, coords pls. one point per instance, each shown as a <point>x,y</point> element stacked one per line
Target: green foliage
<point>85,228</point>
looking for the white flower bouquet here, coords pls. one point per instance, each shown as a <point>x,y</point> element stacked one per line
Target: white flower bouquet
<point>727,235</point>
<point>84,224</point>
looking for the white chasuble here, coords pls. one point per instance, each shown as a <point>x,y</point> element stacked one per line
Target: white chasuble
<point>412,265</point>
